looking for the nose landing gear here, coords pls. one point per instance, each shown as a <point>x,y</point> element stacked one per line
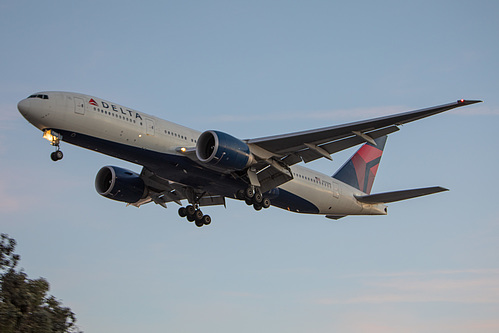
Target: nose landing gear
<point>55,140</point>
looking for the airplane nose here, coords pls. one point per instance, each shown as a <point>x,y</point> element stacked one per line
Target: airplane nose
<point>24,107</point>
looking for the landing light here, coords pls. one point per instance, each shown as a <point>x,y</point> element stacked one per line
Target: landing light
<point>183,149</point>
<point>53,137</point>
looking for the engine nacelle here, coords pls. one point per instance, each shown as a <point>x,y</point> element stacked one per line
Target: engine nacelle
<point>223,152</point>
<point>120,184</point>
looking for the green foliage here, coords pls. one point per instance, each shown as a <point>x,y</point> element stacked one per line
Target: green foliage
<point>25,305</point>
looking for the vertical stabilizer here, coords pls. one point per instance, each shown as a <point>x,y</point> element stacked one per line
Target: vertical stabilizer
<point>359,171</point>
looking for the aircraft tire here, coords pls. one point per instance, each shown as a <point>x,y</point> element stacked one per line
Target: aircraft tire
<point>249,202</point>
<point>190,210</point>
<point>266,203</point>
<point>56,156</point>
<point>206,219</point>
<point>258,197</point>
<point>199,223</point>
<point>198,215</point>
<point>59,154</point>
<point>257,206</point>
<point>249,192</point>
<point>182,212</point>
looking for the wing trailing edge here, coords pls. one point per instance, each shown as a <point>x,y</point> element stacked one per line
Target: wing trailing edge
<point>394,196</point>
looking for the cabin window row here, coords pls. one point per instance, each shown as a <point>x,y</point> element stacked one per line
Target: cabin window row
<point>183,137</point>
<point>118,116</point>
<point>323,182</point>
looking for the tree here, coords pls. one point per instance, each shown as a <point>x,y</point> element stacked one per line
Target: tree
<point>25,305</point>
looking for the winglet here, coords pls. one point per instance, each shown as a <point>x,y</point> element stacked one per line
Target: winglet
<point>468,101</point>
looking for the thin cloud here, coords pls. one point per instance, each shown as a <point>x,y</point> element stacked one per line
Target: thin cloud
<point>239,294</point>
<point>457,286</point>
<point>8,202</point>
<point>16,192</point>
<point>494,271</point>
<point>477,110</point>
<point>8,114</point>
<point>408,322</point>
<point>335,116</point>
<point>330,115</point>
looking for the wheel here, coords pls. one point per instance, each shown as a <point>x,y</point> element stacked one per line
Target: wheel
<point>190,210</point>
<point>249,202</point>
<point>266,203</point>
<point>59,155</point>
<point>191,218</point>
<point>257,207</point>
<point>206,219</point>
<point>182,212</point>
<point>240,194</point>
<point>249,192</point>
<point>258,197</point>
<point>198,215</point>
<point>53,157</point>
<point>199,223</point>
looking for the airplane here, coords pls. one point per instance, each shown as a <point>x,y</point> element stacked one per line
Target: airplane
<point>206,168</point>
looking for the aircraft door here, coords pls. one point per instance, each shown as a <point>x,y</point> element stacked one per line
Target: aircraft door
<point>149,126</point>
<point>79,105</point>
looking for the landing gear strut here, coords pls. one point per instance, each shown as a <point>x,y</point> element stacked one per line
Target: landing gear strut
<point>194,214</point>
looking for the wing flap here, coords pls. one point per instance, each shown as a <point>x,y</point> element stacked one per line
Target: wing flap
<point>388,197</point>
<point>212,200</point>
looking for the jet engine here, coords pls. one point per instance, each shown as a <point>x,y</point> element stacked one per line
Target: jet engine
<point>223,152</point>
<point>120,184</point>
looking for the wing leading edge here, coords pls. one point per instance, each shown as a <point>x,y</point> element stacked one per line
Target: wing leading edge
<point>313,144</point>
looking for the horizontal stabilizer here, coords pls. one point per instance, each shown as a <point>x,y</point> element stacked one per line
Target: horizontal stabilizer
<point>399,195</point>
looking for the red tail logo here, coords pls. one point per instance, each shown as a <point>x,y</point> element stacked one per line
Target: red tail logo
<point>366,163</point>
<point>94,103</point>
<point>360,170</point>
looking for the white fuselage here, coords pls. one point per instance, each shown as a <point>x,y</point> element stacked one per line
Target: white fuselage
<point>109,128</point>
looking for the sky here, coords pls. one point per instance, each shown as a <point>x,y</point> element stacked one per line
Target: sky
<point>251,69</point>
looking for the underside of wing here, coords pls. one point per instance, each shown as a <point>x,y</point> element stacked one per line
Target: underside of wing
<point>162,191</point>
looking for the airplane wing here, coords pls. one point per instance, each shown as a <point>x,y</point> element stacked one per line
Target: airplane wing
<point>309,145</point>
<point>277,153</point>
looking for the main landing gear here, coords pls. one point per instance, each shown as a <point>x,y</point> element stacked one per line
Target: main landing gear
<point>194,214</point>
<point>253,196</point>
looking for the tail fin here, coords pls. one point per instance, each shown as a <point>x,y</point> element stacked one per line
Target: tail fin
<point>359,171</point>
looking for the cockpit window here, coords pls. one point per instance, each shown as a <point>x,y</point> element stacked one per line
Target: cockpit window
<point>39,96</point>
